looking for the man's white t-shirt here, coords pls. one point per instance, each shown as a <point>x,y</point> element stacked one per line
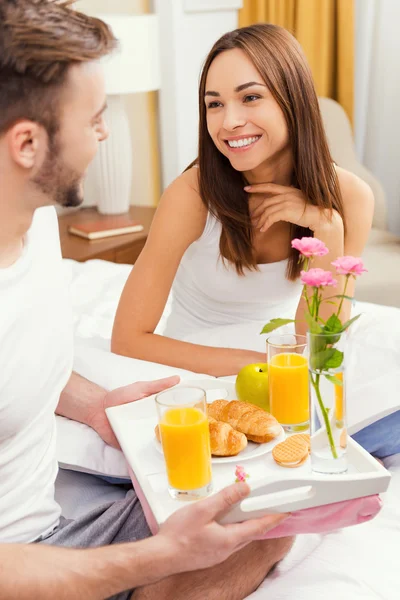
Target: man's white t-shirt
<point>36,352</point>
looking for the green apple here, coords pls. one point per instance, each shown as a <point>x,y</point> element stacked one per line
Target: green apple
<point>252,385</point>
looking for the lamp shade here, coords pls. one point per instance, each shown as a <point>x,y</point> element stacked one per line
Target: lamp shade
<point>135,65</point>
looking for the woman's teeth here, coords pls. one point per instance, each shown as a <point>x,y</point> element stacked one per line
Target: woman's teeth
<point>243,142</point>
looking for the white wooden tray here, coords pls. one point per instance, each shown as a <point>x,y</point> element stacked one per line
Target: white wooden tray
<point>274,489</point>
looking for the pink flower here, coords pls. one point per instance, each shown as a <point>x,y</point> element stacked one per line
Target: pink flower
<point>349,265</point>
<point>241,474</point>
<point>317,278</point>
<point>310,247</point>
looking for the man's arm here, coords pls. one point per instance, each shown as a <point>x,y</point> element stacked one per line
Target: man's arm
<point>84,401</point>
<point>47,572</point>
<point>80,398</point>
<point>189,540</point>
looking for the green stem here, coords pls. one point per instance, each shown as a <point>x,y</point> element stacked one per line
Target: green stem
<point>305,296</point>
<point>344,293</point>
<point>317,303</point>
<point>325,415</point>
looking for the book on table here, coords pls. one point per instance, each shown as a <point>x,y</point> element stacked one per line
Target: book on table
<point>106,227</point>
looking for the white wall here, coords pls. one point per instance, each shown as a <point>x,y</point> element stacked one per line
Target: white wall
<point>188,30</point>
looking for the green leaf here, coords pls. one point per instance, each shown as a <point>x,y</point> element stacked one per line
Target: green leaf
<point>312,323</point>
<point>319,358</point>
<point>334,379</point>
<point>317,344</point>
<point>333,324</point>
<point>335,360</point>
<point>348,323</point>
<point>274,324</point>
<point>330,358</point>
<point>344,296</point>
<point>332,339</point>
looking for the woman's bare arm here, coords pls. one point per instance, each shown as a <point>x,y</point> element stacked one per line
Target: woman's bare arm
<point>179,221</point>
<point>358,204</point>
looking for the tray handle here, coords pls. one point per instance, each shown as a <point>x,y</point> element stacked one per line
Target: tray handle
<point>279,492</point>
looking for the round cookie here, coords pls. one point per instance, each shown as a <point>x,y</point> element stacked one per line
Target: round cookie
<point>291,453</point>
<point>305,437</point>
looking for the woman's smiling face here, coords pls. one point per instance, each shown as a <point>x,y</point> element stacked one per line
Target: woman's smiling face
<point>244,120</point>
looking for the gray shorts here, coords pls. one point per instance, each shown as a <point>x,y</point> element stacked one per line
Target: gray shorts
<point>112,523</point>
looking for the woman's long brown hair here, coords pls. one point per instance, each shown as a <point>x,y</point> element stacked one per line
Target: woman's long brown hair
<point>281,63</point>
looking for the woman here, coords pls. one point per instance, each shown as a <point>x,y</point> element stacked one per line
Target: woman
<point>222,233</point>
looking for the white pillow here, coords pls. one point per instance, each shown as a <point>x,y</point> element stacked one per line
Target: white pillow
<point>95,288</point>
<point>79,447</point>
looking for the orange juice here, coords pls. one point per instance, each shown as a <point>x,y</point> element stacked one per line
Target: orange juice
<point>339,401</point>
<point>288,388</point>
<point>185,440</point>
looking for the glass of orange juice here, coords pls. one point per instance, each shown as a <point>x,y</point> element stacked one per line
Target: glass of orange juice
<point>288,380</point>
<point>185,439</point>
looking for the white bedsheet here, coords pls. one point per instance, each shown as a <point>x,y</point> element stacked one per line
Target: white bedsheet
<point>356,563</point>
<point>360,562</point>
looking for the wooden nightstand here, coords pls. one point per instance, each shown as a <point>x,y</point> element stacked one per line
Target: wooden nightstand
<point>119,249</point>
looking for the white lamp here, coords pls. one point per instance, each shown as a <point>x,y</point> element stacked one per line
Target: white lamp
<point>133,68</point>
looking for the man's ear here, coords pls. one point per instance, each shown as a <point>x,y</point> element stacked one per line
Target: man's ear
<point>27,141</point>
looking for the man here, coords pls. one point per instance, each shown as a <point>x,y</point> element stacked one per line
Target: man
<point>52,101</point>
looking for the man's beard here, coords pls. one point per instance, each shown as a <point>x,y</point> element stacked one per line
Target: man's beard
<point>61,184</point>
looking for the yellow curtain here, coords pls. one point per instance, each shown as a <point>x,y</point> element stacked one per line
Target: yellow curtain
<point>325,29</point>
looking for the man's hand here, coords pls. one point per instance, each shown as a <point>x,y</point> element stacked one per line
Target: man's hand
<point>194,539</point>
<point>135,391</point>
<point>190,539</point>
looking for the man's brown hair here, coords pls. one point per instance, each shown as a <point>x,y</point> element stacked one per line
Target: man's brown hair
<point>39,41</point>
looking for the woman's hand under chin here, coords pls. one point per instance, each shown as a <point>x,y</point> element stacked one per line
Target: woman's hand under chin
<point>282,203</point>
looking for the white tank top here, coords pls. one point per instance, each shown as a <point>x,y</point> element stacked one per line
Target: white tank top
<point>208,293</point>
<point>36,352</point>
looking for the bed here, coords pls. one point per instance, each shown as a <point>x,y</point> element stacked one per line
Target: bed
<point>358,562</point>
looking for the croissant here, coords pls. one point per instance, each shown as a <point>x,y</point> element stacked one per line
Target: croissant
<point>224,440</point>
<point>256,424</point>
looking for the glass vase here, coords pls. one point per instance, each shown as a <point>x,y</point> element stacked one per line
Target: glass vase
<point>327,402</point>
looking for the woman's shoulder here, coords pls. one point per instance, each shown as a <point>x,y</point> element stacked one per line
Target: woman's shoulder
<point>191,178</point>
<point>182,199</point>
<point>356,193</point>
<point>185,191</point>
<point>358,206</point>
<point>188,181</point>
